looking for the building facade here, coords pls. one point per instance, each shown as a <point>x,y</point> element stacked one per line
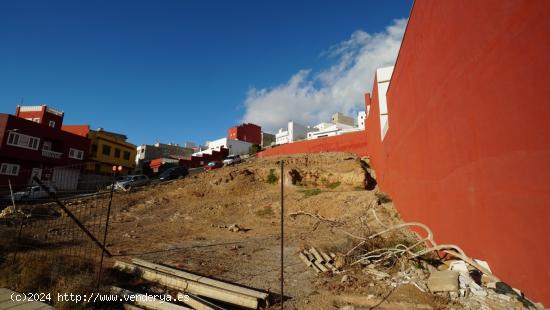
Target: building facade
<point>268,139</point>
<point>339,118</point>
<point>107,149</point>
<point>234,147</point>
<point>147,152</point>
<point>333,129</point>
<point>33,144</point>
<point>246,132</point>
<point>293,132</point>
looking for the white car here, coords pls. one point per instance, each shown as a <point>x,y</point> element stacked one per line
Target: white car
<point>33,192</point>
<point>231,160</point>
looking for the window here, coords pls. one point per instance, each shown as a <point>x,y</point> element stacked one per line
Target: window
<point>106,150</point>
<point>24,141</point>
<point>117,153</point>
<point>76,154</point>
<point>94,149</point>
<point>9,169</point>
<point>51,124</point>
<point>126,155</point>
<point>47,145</point>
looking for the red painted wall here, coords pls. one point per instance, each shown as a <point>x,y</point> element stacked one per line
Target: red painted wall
<point>468,149</point>
<point>246,132</point>
<point>81,130</point>
<point>44,116</point>
<point>351,142</point>
<point>27,159</point>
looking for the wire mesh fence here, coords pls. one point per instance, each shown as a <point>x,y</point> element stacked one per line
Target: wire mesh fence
<point>54,225</point>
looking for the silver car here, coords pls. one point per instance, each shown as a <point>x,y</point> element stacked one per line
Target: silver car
<point>127,182</point>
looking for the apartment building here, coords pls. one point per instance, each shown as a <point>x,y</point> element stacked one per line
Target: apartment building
<point>107,149</point>
<point>33,144</point>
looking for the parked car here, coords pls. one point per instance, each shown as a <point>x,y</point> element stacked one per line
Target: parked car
<point>213,165</point>
<point>173,173</point>
<point>33,192</point>
<point>128,181</point>
<point>232,160</point>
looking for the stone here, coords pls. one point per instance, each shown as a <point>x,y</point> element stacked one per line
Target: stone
<point>234,228</point>
<point>345,279</point>
<point>339,262</point>
<point>377,274</point>
<point>443,281</point>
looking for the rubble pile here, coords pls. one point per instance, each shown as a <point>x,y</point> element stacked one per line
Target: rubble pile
<point>320,261</point>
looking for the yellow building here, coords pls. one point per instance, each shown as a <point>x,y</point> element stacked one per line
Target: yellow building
<point>107,149</point>
<point>110,149</point>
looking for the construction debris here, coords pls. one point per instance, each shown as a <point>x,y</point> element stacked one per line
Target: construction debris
<point>195,286</point>
<point>318,260</point>
<point>443,281</point>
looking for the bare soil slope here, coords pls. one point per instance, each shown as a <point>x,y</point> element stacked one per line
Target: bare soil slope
<point>186,224</point>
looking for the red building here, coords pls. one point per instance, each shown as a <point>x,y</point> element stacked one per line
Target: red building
<point>32,143</point>
<point>246,132</point>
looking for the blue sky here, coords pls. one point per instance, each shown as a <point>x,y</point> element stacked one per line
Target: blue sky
<point>185,71</point>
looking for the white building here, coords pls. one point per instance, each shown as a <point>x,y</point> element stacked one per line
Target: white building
<point>294,132</point>
<point>334,129</point>
<point>361,117</point>
<point>383,77</point>
<point>235,147</point>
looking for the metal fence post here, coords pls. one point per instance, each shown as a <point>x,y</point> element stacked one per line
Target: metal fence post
<point>106,226</point>
<point>282,236</point>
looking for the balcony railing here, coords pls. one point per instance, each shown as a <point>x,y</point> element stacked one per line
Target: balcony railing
<point>51,154</point>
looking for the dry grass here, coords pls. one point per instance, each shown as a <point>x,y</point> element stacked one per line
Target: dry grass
<point>53,274</point>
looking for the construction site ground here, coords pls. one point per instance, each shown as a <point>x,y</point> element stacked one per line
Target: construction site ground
<point>225,224</point>
<point>186,224</point>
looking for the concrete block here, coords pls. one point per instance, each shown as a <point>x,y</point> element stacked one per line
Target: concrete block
<point>443,281</point>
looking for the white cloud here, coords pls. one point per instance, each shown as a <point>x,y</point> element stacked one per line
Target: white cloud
<point>309,98</point>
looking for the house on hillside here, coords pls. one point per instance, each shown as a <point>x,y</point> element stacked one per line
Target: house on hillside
<point>147,152</point>
<point>107,149</point>
<point>293,132</point>
<point>32,143</point>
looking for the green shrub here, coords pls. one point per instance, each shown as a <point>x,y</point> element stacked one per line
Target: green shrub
<point>265,211</point>
<point>255,148</point>
<point>333,185</point>
<point>311,192</point>
<point>271,177</point>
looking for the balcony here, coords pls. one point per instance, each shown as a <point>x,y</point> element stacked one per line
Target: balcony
<point>51,154</point>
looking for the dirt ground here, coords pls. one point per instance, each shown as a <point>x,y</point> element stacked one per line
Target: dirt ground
<point>185,223</point>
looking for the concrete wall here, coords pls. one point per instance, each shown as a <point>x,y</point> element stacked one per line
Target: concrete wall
<point>467,150</point>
